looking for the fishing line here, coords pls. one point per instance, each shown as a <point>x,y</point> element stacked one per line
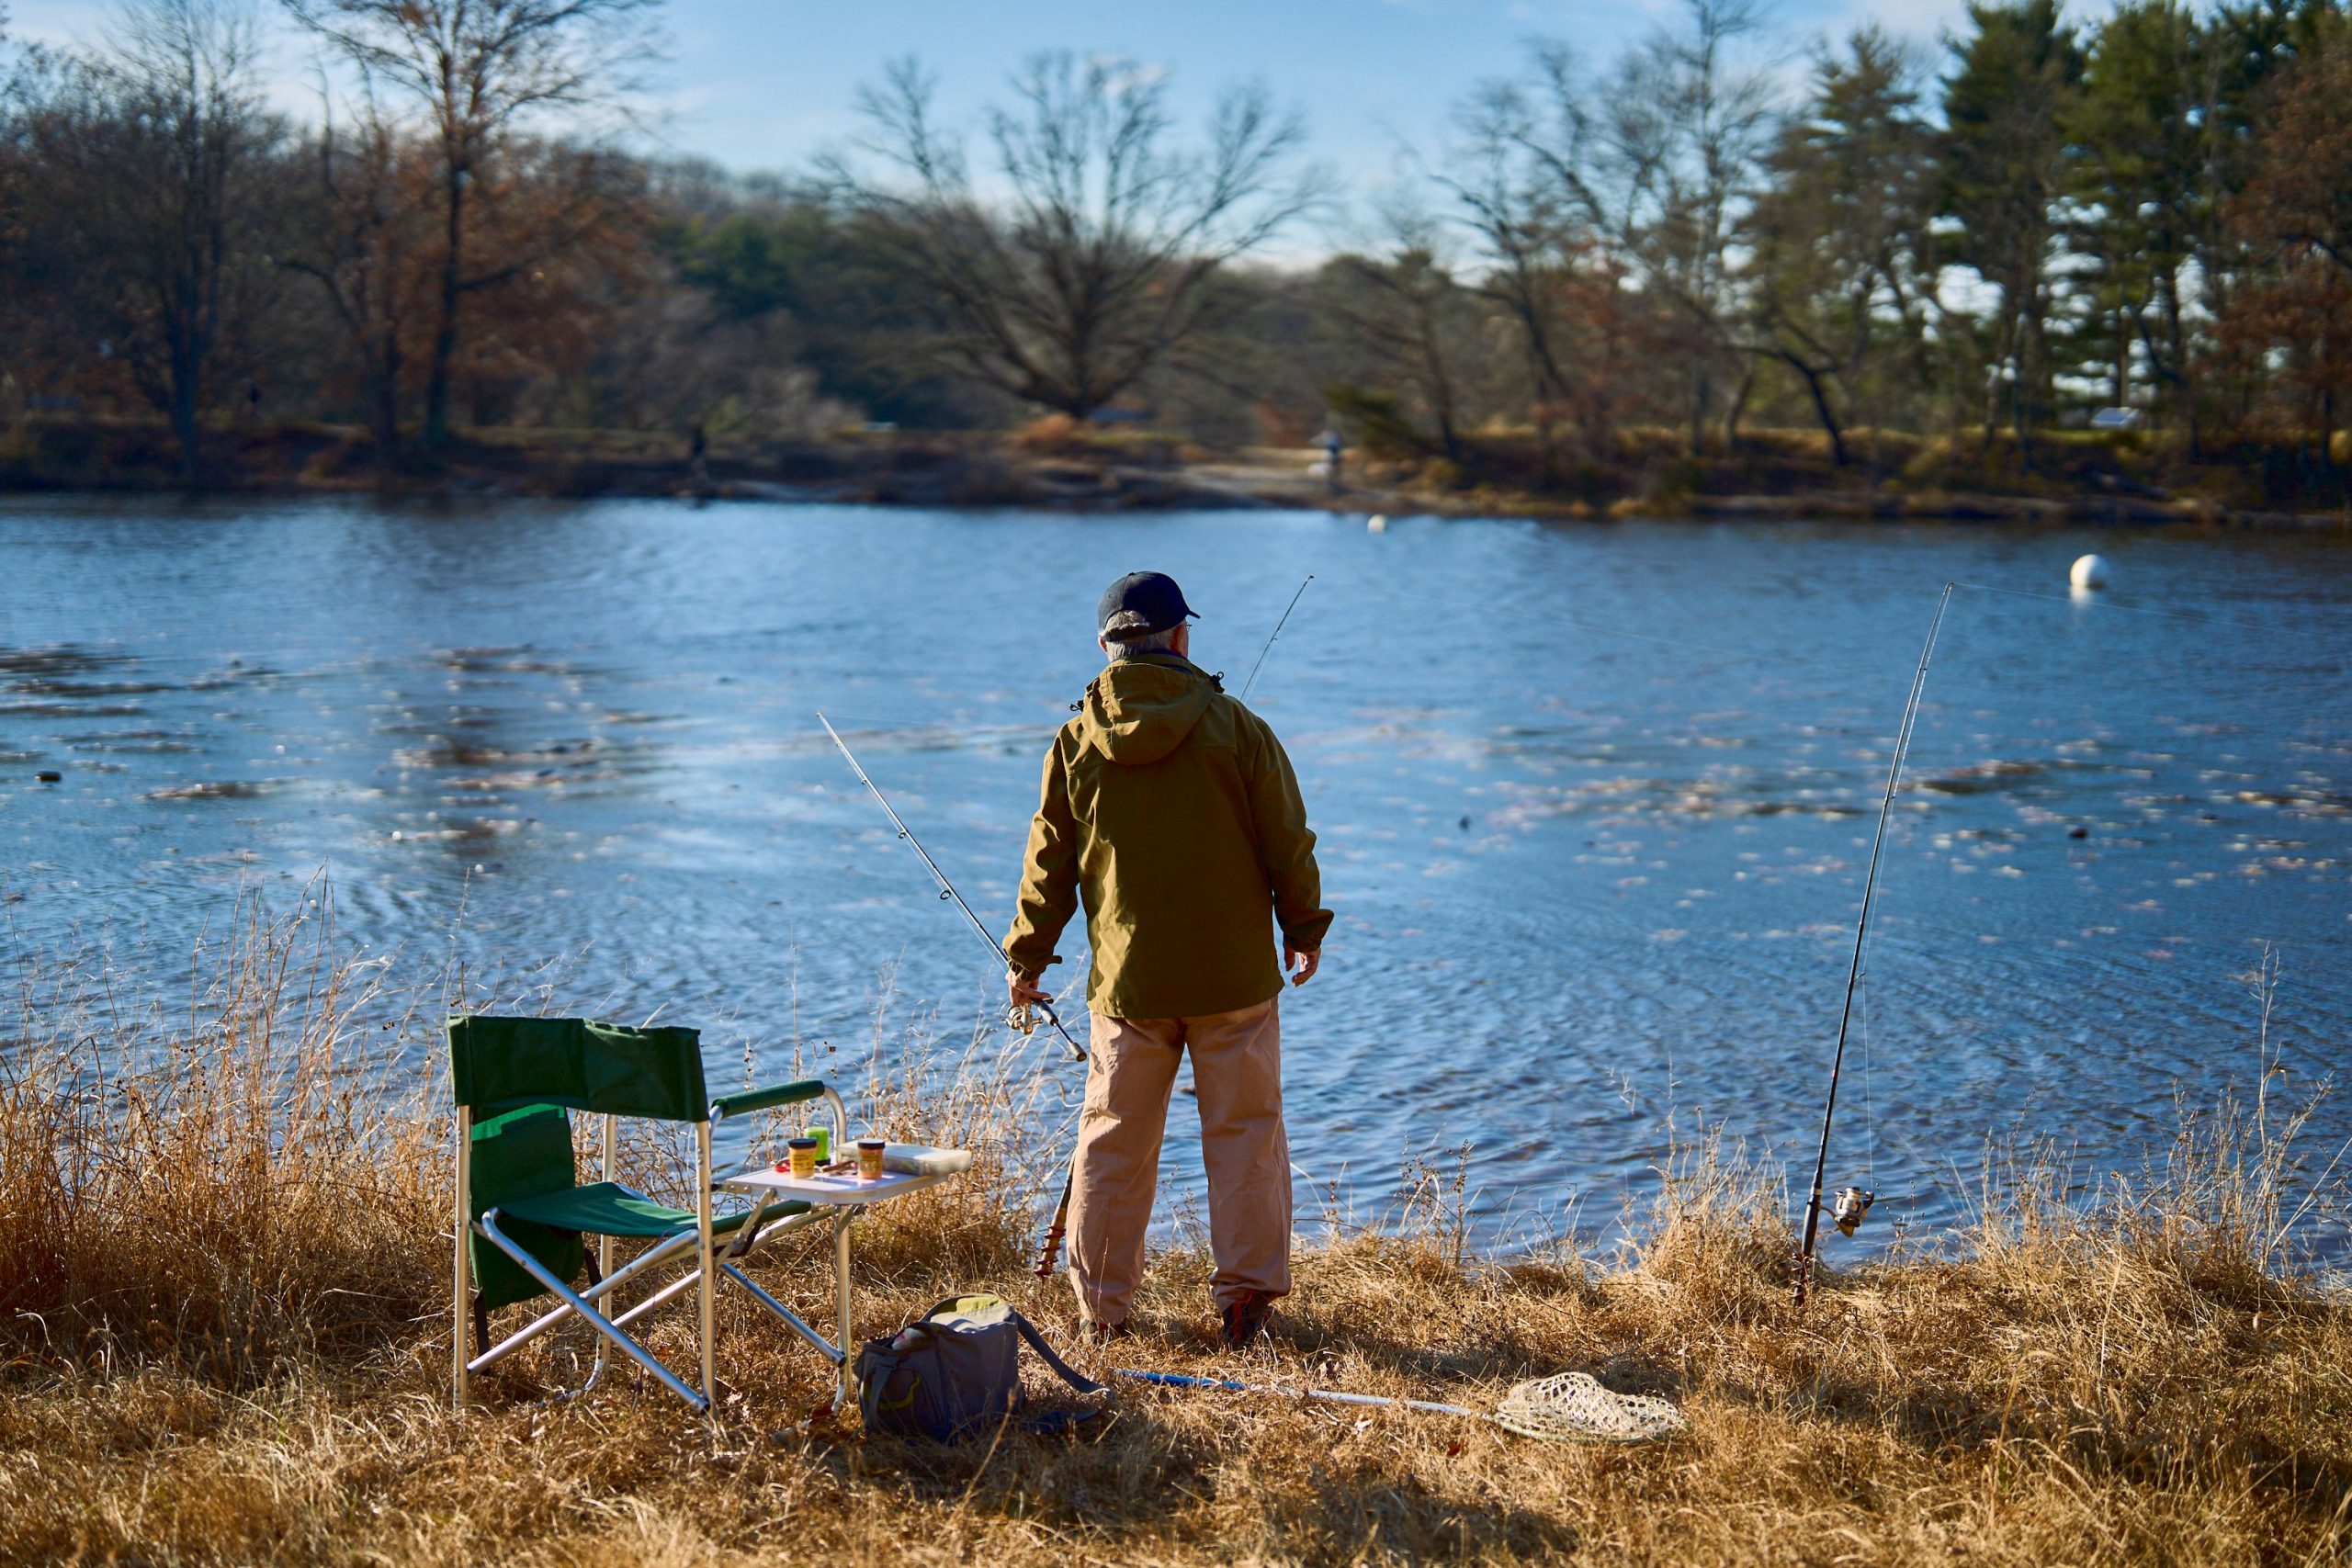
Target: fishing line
<point>1861,931</point>
<point>1870,1117</point>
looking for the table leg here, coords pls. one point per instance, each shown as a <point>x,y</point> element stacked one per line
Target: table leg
<point>846,1394</point>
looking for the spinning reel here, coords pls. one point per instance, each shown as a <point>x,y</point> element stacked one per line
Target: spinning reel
<point>1853,1203</point>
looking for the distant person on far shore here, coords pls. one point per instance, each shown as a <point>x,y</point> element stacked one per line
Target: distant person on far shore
<point>1332,445</point>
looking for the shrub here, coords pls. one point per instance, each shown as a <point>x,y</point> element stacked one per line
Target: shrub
<point>1054,435</point>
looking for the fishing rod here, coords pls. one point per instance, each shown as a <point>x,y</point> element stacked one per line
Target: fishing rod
<point>1018,1016</point>
<point>1049,1250</point>
<point>1853,1203</point>
<point>1277,632</point>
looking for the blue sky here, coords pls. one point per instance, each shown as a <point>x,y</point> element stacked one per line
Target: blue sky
<point>766,84</point>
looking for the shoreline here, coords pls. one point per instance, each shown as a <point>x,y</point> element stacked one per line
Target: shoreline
<point>1132,474</point>
<point>2142,1370</point>
<point>249,1361</point>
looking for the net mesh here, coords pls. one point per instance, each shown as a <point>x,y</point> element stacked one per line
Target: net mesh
<point>1573,1408</point>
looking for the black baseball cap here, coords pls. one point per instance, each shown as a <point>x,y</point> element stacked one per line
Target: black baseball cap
<point>1140,603</point>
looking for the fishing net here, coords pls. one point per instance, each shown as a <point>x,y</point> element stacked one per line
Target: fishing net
<point>1573,1407</point>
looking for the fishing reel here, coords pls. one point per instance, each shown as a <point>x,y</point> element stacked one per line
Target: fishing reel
<point>1852,1204</point>
<point>1022,1019</point>
<point>1847,1212</point>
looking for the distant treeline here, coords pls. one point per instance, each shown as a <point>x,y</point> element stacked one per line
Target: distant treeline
<point>2144,222</point>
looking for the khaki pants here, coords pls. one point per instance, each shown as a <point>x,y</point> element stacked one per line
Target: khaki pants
<point>1238,1071</point>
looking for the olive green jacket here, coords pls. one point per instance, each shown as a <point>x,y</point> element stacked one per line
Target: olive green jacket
<point>1172,812</point>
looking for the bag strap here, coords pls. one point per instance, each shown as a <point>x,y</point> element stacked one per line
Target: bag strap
<point>984,1302</point>
<point>1062,1369</point>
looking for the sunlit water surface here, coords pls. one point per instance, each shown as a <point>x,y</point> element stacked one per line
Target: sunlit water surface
<point>1595,802</point>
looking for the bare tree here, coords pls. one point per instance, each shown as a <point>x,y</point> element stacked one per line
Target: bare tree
<point>1091,269</point>
<point>359,218</point>
<point>481,72</point>
<point>21,351</point>
<point>1406,310</point>
<point>154,154</point>
<point>12,162</point>
<point>1526,224</point>
<point>1658,166</point>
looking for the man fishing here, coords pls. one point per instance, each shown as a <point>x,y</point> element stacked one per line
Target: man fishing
<point>1171,811</point>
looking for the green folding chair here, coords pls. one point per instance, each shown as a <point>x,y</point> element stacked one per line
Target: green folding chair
<point>522,1213</point>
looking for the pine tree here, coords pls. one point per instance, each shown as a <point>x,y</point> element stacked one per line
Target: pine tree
<point>2005,109</point>
<point>1840,269</point>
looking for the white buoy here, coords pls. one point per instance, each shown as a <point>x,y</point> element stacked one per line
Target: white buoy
<point>2089,571</point>
<point>1376,524</point>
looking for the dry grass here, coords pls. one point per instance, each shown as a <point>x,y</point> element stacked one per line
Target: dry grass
<point>224,1332</point>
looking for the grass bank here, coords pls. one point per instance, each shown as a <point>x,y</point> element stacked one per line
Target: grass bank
<point>931,469</point>
<point>2117,477</point>
<point>223,1329</point>
<point>2060,475</point>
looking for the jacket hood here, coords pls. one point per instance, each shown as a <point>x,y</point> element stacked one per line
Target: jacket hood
<point>1140,709</point>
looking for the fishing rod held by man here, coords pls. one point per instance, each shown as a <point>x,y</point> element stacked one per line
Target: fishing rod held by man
<point>1272,636</point>
<point>1169,810</point>
<point>1018,1016</point>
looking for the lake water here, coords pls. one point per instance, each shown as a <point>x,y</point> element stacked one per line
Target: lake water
<point>1595,799</point>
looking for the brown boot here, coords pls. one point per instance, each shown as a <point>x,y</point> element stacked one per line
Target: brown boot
<point>1245,1319</point>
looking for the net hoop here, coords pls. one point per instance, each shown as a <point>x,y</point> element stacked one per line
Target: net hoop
<point>1572,1407</point>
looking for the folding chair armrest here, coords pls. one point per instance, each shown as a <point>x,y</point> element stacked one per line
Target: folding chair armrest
<point>750,1099</point>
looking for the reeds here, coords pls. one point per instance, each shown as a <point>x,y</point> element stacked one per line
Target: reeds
<point>223,1320</point>
<point>238,1189</point>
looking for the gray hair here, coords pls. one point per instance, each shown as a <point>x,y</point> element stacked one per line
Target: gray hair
<point>1144,642</point>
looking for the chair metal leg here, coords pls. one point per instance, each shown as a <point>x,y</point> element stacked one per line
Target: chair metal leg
<point>461,1282</point>
<point>598,1261</point>
<point>747,1238</point>
<point>708,1265</point>
<point>604,1264</point>
<point>666,1252</point>
<point>659,1299</point>
<point>727,1266</point>
<point>702,1279</point>
<point>596,1320</point>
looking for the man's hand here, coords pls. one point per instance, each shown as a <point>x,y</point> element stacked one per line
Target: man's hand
<point>1021,993</point>
<point>1304,960</point>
